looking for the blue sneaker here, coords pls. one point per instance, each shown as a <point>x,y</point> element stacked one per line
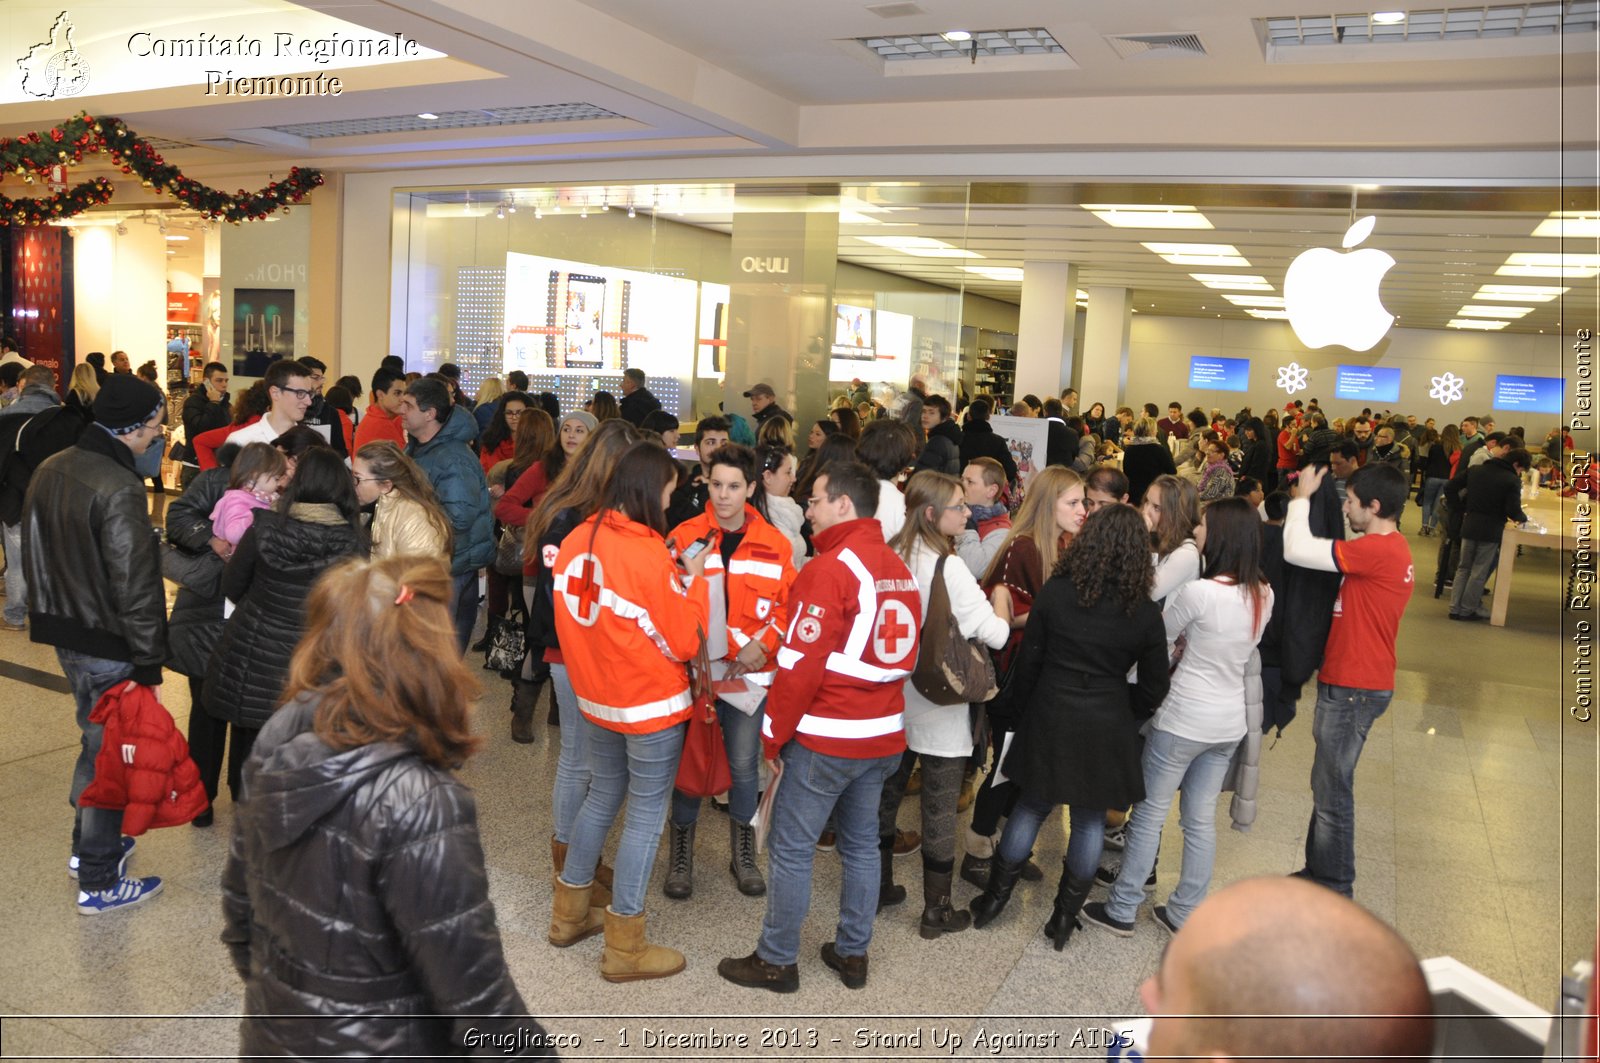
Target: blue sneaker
<point>122,865</point>
<point>125,893</point>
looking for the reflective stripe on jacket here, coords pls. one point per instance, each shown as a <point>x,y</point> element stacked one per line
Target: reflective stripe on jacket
<point>759,576</point>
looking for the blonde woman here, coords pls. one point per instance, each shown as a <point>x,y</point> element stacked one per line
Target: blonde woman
<point>936,511</point>
<point>408,518</point>
<point>81,391</point>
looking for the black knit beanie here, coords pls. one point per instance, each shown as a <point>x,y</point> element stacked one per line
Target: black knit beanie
<point>125,402</point>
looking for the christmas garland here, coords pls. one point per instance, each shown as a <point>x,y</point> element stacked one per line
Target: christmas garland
<point>47,155</point>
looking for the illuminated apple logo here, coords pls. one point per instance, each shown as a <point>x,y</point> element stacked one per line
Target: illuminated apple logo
<point>1332,296</point>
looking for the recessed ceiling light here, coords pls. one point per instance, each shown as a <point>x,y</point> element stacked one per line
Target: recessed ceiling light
<point>1199,254</point>
<point>1148,216</point>
<point>177,238</point>
<point>428,116</point>
<point>1255,300</point>
<point>1477,323</point>
<point>1572,224</point>
<point>1239,282</point>
<point>1567,267</point>
<point>1528,293</point>
<point>1079,294</point>
<point>1495,311</point>
<point>958,36</point>
<point>1389,18</point>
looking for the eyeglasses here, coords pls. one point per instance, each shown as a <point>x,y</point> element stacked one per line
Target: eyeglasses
<point>958,505</point>
<point>303,394</point>
<point>512,415</point>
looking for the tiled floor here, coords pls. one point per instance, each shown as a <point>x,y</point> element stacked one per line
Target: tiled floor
<point>1468,789</point>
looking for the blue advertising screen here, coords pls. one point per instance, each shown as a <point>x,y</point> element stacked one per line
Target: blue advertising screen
<point>1535,394</point>
<point>1367,383</point>
<point>1219,374</point>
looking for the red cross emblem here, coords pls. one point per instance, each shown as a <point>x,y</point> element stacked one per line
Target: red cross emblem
<point>893,632</point>
<point>584,581</point>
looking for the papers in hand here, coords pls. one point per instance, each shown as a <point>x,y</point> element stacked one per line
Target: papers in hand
<point>762,820</point>
<point>999,762</point>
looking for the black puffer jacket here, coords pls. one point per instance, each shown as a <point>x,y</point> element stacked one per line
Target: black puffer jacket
<point>196,623</point>
<point>91,558</point>
<point>980,440</point>
<point>355,890</point>
<point>943,450</point>
<point>270,578</point>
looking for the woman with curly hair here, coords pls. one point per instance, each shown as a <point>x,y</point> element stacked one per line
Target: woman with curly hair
<point>1078,716</point>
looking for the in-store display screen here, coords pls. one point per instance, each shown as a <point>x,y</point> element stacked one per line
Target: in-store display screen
<point>1219,374</point>
<point>1533,394</point>
<point>1367,383</point>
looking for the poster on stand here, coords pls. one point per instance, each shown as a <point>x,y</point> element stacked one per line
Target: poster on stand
<point>1026,438</point>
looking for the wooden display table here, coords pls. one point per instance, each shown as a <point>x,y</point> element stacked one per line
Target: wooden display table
<point>1548,510</point>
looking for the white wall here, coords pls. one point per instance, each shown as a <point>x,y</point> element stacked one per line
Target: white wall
<point>120,293</point>
<point>1160,348</point>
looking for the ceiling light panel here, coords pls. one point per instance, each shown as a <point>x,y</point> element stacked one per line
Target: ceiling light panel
<point>1571,225</point>
<point>1477,323</point>
<point>1141,216</point>
<point>1495,311</point>
<point>410,123</point>
<point>1199,254</point>
<point>996,273</point>
<point>923,46</point>
<point>1538,18</point>
<point>1535,264</point>
<point>1256,300</point>
<point>1269,315</point>
<point>1527,293</point>
<point>920,246</point>
<point>1238,282</point>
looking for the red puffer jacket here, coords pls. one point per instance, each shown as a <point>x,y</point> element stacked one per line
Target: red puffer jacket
<point>144,766</point>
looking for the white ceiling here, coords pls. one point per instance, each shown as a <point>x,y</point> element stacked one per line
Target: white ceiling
<point>1472,142</point>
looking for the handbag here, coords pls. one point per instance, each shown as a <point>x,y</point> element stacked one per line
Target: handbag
<point>703,767</point>
<point>200,573</point>
<point>951,669</point>
<point>508,643</point>
<point>508,552</point>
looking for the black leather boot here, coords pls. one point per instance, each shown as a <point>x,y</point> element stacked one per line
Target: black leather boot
<point>1070,896</point>
<point>938,917</point>
<point>997,894</point>
<point>888,893</point>
<point>524,696</point>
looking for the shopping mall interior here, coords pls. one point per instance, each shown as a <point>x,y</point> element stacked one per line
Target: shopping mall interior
<point>1017,199</point>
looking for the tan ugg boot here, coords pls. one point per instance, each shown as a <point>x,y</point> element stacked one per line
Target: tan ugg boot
<point>600,895</point>
<point>572,918</point>
<point>629,958</point>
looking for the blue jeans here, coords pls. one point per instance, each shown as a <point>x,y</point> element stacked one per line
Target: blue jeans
<point>96,832</point>
<point>741,735</point>
<point>572,766</point>
<point>16,610</point>
<point>1431,489</point>
<point>637,767</point>
<point>1172,763</point>
<point>813,785</point>
<point>464,607</point>
<point>1084,845</point>
<point>1477,564</point>
<point>1344,715</point>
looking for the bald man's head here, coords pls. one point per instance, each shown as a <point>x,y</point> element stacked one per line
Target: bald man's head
<point>1271,947</point>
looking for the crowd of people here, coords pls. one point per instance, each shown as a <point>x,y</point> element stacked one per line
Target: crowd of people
<point>1132,618</point>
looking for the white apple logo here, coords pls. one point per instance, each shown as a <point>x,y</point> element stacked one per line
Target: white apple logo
<point>1332,297</point>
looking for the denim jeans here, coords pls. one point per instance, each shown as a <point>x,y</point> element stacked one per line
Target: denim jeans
<point>1172,763</point>
<point>637,767</point>
<point>1344,715</point>
<point>1432,487</point>
<point>1084,845</point>
<point>96,832</point>
<point>16,610</point>
<point>464,607</point>
<point>572,765</point>
<point>1477,564</point>
<point>741,736</point>
<point>813,785</point>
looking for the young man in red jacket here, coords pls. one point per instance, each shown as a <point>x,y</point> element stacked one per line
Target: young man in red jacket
<point>834,717</point>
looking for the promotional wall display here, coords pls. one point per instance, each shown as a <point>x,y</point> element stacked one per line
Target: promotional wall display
<point>1219,374</point>
<point>263,328</point>
<point>1367,383</point>
<point>1532,394</point>
<point>711,357</point>
<point>1026,438</point>
<point>874,345</point>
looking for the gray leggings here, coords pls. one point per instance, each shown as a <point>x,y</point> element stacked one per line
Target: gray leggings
<point>941,789</point>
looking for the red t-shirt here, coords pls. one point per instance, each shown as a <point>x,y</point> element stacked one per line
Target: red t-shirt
<point>1378,580</point>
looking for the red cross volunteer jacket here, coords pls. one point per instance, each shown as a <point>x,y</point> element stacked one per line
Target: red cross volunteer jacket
<point>854,618</point>
<point>626,624</point>
<point>759,576</point>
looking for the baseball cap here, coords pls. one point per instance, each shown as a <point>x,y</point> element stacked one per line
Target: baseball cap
<point>761,389</point>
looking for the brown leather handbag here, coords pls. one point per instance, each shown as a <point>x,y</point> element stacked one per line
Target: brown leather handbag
<point>951,669</point>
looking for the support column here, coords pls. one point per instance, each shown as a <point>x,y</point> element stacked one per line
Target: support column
<point>1105,348</point>
<point>781,308</point>
<point>1046,325</point>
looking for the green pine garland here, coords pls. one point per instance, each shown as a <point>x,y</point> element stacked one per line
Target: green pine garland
<point>36,154</point>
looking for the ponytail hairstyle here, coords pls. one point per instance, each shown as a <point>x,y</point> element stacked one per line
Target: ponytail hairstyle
<point>769,458</point>
<point>927,494</point>
<point>416,691</point>
<point>636,483</point>
<point>253,462</point>
<point>1233,551</point>
<point>389,463</point>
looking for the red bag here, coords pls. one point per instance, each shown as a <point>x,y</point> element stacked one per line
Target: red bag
<point>703,769</point>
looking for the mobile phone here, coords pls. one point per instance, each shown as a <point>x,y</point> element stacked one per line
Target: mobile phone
<point>694,549</point>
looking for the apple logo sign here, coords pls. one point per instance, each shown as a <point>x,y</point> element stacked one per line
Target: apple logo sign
<point>1332,296</point>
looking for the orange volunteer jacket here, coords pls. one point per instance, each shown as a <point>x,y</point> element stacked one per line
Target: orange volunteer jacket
<point>759,576</point>
<point>626,623</point>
